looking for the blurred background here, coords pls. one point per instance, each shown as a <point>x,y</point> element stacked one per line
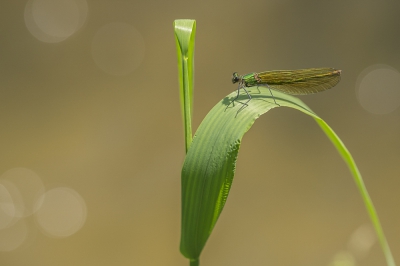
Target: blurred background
<point>92,145</point>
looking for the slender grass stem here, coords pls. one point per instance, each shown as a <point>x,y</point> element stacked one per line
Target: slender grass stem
<point>194,262</point>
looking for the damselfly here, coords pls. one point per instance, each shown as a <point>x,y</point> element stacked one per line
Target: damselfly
<point>295,82</point>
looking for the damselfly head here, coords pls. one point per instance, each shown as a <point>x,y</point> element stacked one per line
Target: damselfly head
<point>235,77</point>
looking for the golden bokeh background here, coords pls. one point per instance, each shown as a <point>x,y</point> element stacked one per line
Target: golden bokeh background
<point>91,142</point>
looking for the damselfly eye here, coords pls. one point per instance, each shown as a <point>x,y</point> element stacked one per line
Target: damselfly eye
<point>235,77</point>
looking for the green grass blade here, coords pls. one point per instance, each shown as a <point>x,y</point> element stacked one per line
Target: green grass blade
<point>185,33</point>
<point>209,165</point>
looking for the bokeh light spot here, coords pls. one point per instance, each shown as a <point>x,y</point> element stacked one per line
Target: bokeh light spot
<point>361,241</point>
<point>343,258</point>
<point>118,48</point>
<point>14,236</point>
<point>57,18</point>
<point>7,209</point>
<point>54,20</point>
<point>62,213</point>
<point>378,89</point>
<point>25,188</point>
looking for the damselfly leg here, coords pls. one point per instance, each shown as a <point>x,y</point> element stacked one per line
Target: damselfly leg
<point>240,86</point>
<point>272,95</point>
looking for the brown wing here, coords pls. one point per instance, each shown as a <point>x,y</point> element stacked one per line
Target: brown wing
<point>302,81</point>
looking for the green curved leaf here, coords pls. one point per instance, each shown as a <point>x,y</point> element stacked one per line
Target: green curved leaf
<point>209,165</point>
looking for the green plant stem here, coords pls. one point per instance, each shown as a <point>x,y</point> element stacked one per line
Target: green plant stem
<point>185,33</point>
<point>194,262</point>
<point>187,114</point>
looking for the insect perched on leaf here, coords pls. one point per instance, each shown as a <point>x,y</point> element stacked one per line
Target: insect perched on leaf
<point>295,82</point>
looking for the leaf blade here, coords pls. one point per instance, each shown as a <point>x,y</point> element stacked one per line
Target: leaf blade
<point>209,166</point>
